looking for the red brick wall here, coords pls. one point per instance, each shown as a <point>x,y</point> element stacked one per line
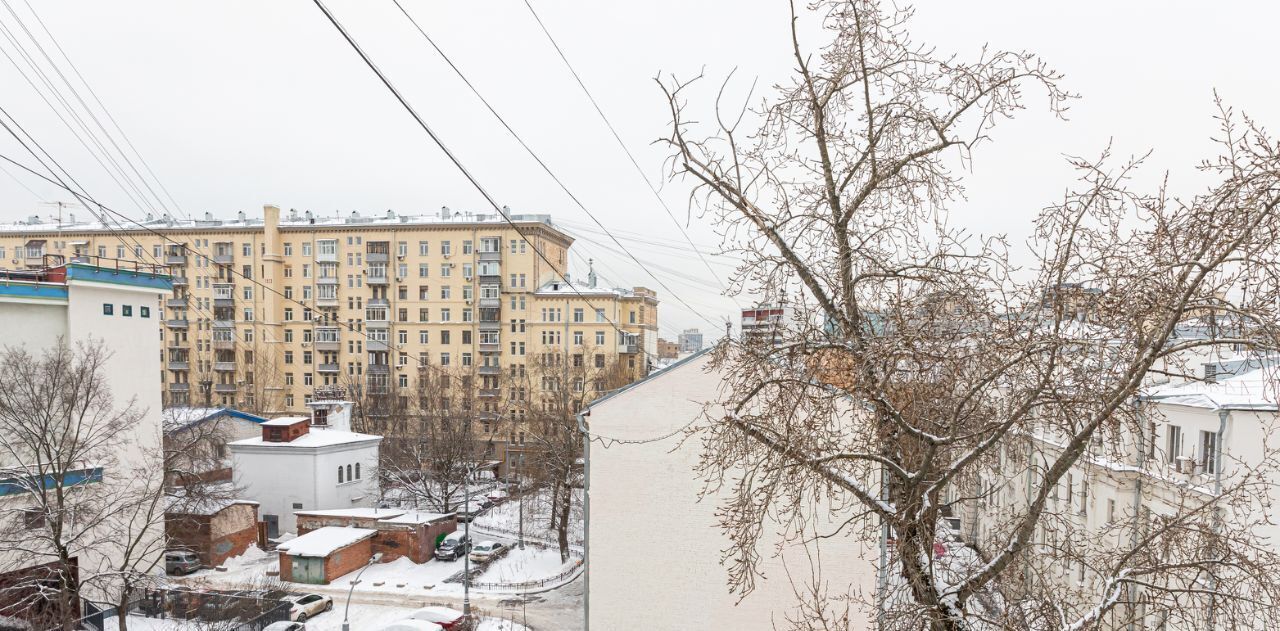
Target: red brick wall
<point>347,560</point>
<point>307,523</point>
<point>189,532</point>
<point>233,544</point>
<point>286,567</point>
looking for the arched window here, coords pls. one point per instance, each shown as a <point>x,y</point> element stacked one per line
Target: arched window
<point>357,471</point>
<point>339,474</point>
<point>349,478</point>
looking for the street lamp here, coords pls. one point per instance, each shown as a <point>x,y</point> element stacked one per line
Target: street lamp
<point>346,626</point>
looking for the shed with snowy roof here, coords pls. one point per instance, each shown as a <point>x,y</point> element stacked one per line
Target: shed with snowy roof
<point>322,555</point>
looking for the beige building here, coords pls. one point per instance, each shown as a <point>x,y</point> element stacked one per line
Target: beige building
<point>359,302</point>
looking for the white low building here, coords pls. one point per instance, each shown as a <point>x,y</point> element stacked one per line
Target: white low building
<point>307,463</point>
<point>654,544</point>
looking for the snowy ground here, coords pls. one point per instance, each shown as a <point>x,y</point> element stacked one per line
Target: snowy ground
<point>363,618</point>
<point>530,564</point>
<point>505,517</point>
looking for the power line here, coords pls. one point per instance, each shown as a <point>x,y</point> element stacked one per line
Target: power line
<point>622,144</point>
<point>540,161</point>
<point>452,158</point>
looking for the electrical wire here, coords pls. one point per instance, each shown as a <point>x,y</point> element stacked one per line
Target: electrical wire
<point>543,164</point>
<point>623,145</point>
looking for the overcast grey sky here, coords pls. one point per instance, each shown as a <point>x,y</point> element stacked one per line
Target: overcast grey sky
<point>238,103</point>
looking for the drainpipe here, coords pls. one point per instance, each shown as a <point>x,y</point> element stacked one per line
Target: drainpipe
<point>586,519</point>
<point>1223,415</point>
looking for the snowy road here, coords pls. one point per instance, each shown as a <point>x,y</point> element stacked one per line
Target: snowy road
<point>557,610</point>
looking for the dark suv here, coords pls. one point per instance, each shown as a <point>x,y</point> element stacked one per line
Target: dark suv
<point>453,547</point>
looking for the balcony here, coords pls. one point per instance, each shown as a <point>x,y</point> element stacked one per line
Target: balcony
<point>176,323</point>
<point>328,368</point>
<point>179,387</point>
<point>628,349</point>
<point>328,339</point>
<point>223,253</point>
<point>487,393</point>
<point>224,324</point>
<point>226,345</point>
<point>380,279</point>
<point>179,365</point>
<point>224,388</point>
<point>378,252</point>
<point>327,301</point>
<point>176,303</point>
<point>494,345</point>
<point>327,251</point>
<point>490,303</point>
<point>488,415</point>
<point>175,258</point>
<point>179,281</point>
<point>376,345</point>
<point>489,326</point>
<point>491,256</point>
<point>224,295</point>
<point>379,302</point>
<point>328,280</point>
<point>224,366</point>
<point>489,370</point>
<point>379,369</point>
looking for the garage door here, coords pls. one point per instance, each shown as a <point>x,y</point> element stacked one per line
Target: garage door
<point>308,570</point>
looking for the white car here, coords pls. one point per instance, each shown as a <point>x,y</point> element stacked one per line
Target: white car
<point>309,606</point>
<point>285,625</point>
<point>412,625</point>
<point>488,551</point>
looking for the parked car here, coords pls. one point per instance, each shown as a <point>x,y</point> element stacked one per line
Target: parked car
<point>497,496</point>
<point>410,624</point>
<point>181,562</point>
<point>453,546</point>
<point>447,618</point>
<point>486,551</point>
<point>469,512</point>
<point>309,606</point>
<point>285,625</point>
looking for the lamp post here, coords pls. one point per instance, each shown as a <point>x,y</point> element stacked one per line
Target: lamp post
<point>466,560</point>
<point>346,626</point>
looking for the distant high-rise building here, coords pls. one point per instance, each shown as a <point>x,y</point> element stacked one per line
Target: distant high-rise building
<point>690,341</point>
<point>761,324</point>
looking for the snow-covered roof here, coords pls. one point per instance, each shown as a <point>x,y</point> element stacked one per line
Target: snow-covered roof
<point>319,437</point>
<point>416,517</point>
<point>180,418</point>
<point>1253,390</point>
<point>325,541</point>
<point>179,505</point>
<point>372,513</point>
<point>286,420</point>
<point>568,288</point>
<point>288,219</point>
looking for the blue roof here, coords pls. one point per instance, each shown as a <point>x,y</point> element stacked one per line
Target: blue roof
<point>177,419</point>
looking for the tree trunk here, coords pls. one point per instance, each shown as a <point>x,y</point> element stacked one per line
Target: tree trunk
<point>562,528</point>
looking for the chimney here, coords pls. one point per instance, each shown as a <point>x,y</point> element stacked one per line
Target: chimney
<point>240,216</point>
<point>208,216</point>
<point>444,213</point>
<point>591,273</point>
<point>284,430</point>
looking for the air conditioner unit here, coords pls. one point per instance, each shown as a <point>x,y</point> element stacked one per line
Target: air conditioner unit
<point>306,345</point>
<point>1184,464</point>
<point>468,303</point>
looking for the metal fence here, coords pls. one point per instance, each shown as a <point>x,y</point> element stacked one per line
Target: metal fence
<point>239,610</point>
<point>542,582</point>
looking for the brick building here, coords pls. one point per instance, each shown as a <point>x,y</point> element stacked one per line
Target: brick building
<point>324,554</point>
<point>214,530</point>
<point>398,533</point>
<point>668,350</point>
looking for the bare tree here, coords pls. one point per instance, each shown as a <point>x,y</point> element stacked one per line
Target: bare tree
<point>926,373</point>
<point>434,443</point>
<point>562,383</point>
<point>89,507</point>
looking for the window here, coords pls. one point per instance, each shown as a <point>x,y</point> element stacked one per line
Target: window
<point>445,270</point>
<point>423,270</point>
<point>1173,443</point>
<point>466,247</point>
<point>288,249</point>
<point>339,474</point>
<point>445,248</point>
<point>288,335</point>
<point>126,311</point>
<point>445,315</point>
<point>108,308</point>
<point>444,359</point>
<point>357,471</point>
<point>402,248</point>
<point>444,337</point>
<point>600,315</point>
<point>599,360</point>
<point>423,248</point>
<point>599,338</point>
<point>577,314</point>
<point>144,312</point>
<point>1209,451</point>
<point>446,292</point>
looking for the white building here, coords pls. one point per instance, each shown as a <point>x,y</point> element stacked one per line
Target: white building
<point>307,463</point>
<point>654,549</point>
<point>118,306</point>
<point>689,341</point>
<point>197,440</point>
